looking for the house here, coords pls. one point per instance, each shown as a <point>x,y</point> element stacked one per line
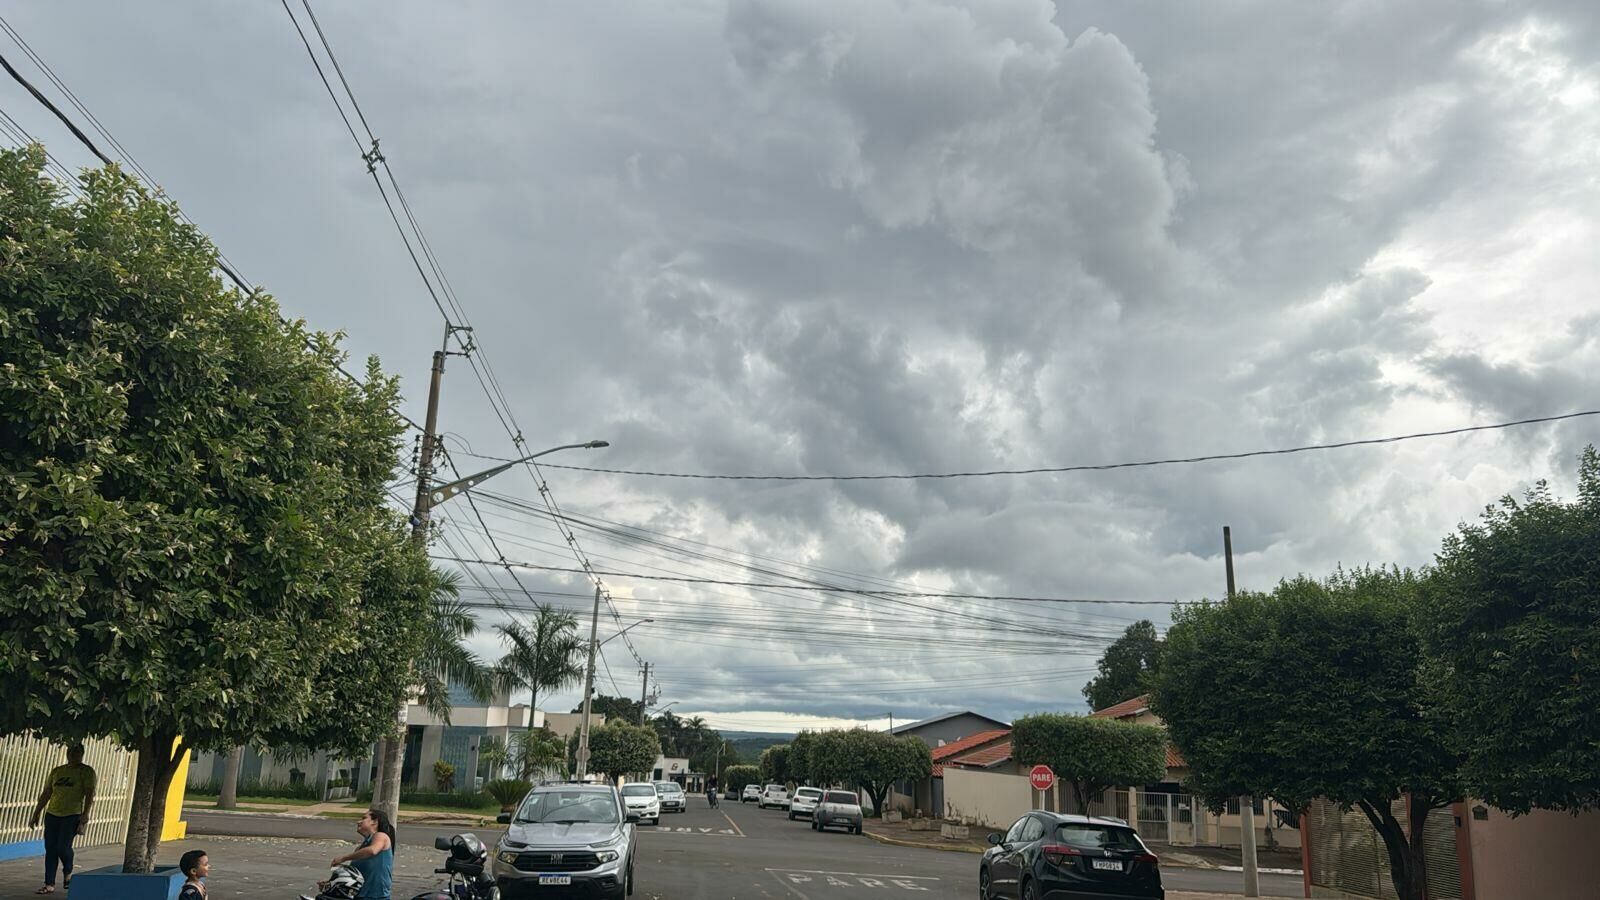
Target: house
<point>949,727</point>
<point>944,731</point>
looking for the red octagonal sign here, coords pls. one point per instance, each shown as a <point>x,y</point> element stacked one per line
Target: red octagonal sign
<point>1041,778</point>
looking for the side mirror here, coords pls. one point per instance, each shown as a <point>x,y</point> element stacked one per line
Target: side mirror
<point>995,838</point>
<point>503,818</point>
<point>440,843</point>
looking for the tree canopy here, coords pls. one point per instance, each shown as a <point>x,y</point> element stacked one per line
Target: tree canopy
<point>1126,666</point>
<point>1091,753</point>
<point>736,777</point>
<point>775,764</point>
<point>619,749</point>
<point>542,655</point>
<point>1514,630</point>
<point>193,492</point>
<point>870,760</point>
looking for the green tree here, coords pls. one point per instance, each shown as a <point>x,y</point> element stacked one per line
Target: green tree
<point>1126,666</point>
<point>1514,626</point>
<point>620,748</point>
<point>542,655</point>
<point>775,764</point>
<point>192,491</point>
<point>445,656</point>
<point>801,749</point>
<point>615,709</point>
<point>870,760</point>
<point>1353,725</point>
<point>737,777</point>
<point>536,751</point>
<point>1092,754</point>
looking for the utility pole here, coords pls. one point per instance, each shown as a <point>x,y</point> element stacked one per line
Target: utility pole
<point>588,689</point>
<point>1247,817</point>
<point>644,691</point>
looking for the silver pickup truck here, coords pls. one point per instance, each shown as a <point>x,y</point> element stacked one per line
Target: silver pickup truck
<point>837,809</point>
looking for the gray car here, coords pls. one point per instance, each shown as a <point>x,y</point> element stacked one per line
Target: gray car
<point>567,838</point>
<point>838,809</point>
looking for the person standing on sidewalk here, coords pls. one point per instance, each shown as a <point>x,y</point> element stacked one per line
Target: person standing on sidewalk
<point>67,798</point>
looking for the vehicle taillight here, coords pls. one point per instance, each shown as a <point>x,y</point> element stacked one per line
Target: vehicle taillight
<point>1149,858</point>
<point>1058,853</point>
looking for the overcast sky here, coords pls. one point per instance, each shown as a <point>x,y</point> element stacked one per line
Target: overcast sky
<point>823,237</point>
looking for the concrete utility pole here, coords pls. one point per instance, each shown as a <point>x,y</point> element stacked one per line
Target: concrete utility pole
<point>644,691</point>
<point>1247,818</point>
<point>588,689</point>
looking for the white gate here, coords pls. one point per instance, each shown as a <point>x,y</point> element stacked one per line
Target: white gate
<point>24,764</point>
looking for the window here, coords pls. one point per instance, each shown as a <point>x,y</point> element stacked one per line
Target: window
<point>638,790</point>
<point>842,797</point>
<point>1032,831</point>
<point>569,806</point>
<point>1014,836</point>
<point>1104,837</point>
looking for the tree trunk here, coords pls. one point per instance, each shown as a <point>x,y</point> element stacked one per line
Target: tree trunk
<point>1080,795</point>
<point>393,760</point>
<point>228,794</point>
<point>879,795</point>
<point>380,766</point>
<point>1407,866</point>
<point>159,756</point>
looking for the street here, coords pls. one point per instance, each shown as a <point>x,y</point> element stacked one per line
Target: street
<point>731,852</point>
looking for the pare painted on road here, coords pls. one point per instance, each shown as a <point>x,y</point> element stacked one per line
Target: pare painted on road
<point>802,880</point>
<point>683,829</point>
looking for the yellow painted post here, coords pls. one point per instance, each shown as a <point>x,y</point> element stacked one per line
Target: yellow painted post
<point>172,827</point>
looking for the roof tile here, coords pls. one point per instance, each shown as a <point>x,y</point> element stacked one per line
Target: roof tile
<point>1124,709</point>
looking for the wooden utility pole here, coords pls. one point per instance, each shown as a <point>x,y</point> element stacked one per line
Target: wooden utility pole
<point>588,689</point>
<point>1247,818</point>
<point>644,692</point>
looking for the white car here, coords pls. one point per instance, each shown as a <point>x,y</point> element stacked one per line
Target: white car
<point>641,800</point>
<point>775,795</point>
<point>673,799</point>
<point>804,802</point>
<point>751,792</point>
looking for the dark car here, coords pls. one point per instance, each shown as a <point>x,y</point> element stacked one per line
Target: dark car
<point>1051,856</point>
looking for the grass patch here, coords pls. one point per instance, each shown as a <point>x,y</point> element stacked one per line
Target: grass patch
<point>195,798</point>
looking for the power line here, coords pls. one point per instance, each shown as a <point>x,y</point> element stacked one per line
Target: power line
<point>1093,467</point>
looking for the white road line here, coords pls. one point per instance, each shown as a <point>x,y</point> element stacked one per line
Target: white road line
<point>855,874</point>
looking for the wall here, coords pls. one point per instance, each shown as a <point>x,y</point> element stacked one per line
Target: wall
<point>949,730</point>
<point>1548,855</point>
<point>988,799</point>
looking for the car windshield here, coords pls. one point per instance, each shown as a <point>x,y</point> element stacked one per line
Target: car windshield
<point>808,793</point>
<point>1098,837</point>
<point>844,797</point>
<point>638,790</point>
<point>569,808</point>
<point>669,788</point>
<point>774,788</point>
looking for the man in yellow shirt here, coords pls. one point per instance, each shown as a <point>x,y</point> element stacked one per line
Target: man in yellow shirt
<point>68,795</point>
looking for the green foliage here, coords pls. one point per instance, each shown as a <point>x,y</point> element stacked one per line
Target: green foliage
<point>275,789</point>
<point>494,753</point>
<point>687,738</point>
<point>193,493</point>
<point>508,792</point>
<point>870,760</point>
<point>615,709</point>
<point>1126,666</point>
<point>1312,690</point>
<point>736,777</point>
<point>444,776</point>
<point>460,799</point>
<point>800,757</point>
<point>532,752</point>
<point>1093,754</point>
<point>1514,627</point>
<point>622,749</point>
<point>542,655</point>
<point>775,764</point>
<point>444,656</point>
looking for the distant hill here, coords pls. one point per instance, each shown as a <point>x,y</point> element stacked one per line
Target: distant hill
<point>749,744</point>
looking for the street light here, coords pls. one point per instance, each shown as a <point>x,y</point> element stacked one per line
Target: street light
<point>445,491</point>
<point>588,681</point>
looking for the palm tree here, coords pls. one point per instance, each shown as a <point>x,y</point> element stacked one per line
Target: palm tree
<point>541,655</point>
<point>445,657</point>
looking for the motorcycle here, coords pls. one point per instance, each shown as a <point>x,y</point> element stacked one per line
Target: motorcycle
<point>344,883</point>
<point>467,867</point>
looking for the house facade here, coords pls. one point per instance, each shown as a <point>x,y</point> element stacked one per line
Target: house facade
<point>946,736</point>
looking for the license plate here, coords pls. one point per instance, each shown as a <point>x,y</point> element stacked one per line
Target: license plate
<point>1107,864</point>
<point>555,879</point>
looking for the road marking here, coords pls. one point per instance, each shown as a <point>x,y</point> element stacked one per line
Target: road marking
<point>789,878</point>
<point>855,874</point>
<point>734,824</point>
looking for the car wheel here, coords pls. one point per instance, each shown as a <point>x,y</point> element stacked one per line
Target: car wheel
<point>1028,892</point>
<point>984,888</point>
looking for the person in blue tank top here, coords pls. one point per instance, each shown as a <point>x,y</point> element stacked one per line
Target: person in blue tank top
<point>374,857</point>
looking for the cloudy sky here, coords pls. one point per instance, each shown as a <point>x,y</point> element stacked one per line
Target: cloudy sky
<point>821,237</point>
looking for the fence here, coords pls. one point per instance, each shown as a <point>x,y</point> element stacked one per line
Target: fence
<point>1181,820</point>
<point>1347,854</point>
<point>24,764</point>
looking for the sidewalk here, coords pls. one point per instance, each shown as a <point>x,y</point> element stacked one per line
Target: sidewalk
<point>343,809</point>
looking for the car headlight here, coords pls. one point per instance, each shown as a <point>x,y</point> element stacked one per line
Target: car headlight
<point>606,856</point>
<point>508,856</point>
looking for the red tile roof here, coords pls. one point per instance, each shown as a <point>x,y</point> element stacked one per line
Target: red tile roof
<point>961,745</point>
<point>1124,709</point>
<point>1175,759</point>
<point>986,757</point>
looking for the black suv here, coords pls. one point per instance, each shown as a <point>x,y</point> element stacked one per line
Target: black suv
<point>1046,856</point>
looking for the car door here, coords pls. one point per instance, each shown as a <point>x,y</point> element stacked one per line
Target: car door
<point>1004,871</point>
<point>1028,842</point>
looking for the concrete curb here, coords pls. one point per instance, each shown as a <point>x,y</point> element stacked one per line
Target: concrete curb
<point>248,812</point>
<point>1165,861</point>
<point>885,839</point>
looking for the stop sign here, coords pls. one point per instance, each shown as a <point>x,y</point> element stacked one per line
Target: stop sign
<point>1041,778</point>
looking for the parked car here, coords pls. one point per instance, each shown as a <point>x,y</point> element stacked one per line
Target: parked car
<point>751,792</point>
<point>673,799</point>
<point>641,799</point>
<point>804,802</point>
<point>567,837</point>
<point>732,794</point>
<point>775,795</point>
<point>837,809</point>
<point>1046,854</point>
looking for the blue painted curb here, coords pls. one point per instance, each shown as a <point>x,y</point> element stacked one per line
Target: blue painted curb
<point>22,849</point>
<point>111,883</point>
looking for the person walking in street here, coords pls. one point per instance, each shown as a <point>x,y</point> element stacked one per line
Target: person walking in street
<point>195,866</point>
<point>374,858</point>
<point>67,798</point>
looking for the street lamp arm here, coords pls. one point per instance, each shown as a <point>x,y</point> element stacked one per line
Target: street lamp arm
<point>623,632</point>
<point>445,491</point>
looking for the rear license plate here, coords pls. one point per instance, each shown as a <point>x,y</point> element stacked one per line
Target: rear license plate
<point>555,879</point>
<point>1110,865</point>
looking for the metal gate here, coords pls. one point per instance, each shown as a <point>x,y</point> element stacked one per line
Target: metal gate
<point>24,764</point>
<point>1348,855</point>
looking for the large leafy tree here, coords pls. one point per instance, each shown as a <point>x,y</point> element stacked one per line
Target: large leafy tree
<point>1126,666</point>
<point>621,748</point>
<point>1092,754</point>
<point>542,655</point>
<point>1514,625</point>
<point>615,709</point>
<point>870,760</point>
<point>192,492</point>
<point>774,764</point>
<point>801,755</point>
<point>736,777</point>
<point>1354,724</point>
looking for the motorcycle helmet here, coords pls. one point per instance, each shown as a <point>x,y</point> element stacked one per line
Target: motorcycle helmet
<point>343,883</point>
<point>467,848</point>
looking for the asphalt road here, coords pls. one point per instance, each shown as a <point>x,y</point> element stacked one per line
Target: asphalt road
<point>730,853</point>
